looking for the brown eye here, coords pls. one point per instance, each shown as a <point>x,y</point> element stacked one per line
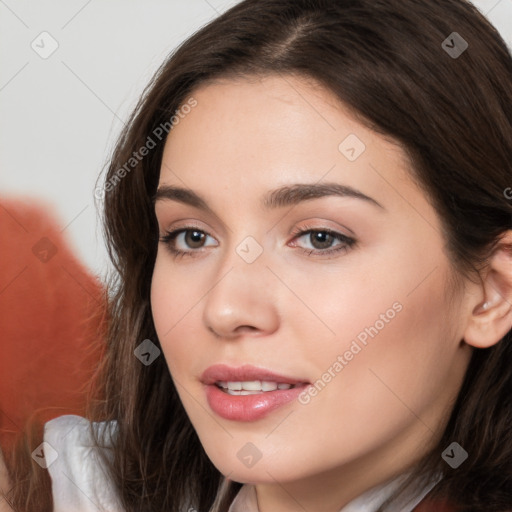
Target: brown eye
<point>194,239</point>
<point>321,239</point>
<point>323,242</point>
<point>187,241</point>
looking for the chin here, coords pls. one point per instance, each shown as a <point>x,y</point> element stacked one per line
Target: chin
<point>254,472</point>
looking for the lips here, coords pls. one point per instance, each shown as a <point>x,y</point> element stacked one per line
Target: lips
<point>248,393</point>
<point>222,372</point>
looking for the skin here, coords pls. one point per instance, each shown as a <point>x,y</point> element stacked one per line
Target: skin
<point>294,312</point>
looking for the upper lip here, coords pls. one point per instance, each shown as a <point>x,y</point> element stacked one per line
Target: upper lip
<point>223,372</point>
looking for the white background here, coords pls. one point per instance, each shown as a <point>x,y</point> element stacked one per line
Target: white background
<point>59,116</point>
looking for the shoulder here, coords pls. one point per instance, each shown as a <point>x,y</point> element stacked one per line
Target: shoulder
<point>75,427</point>
<point>75,439</point>
<point>71,451</point>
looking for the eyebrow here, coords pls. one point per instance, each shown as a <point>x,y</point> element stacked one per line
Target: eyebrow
<point>288,195</point>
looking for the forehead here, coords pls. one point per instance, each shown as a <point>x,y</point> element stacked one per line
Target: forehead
<point>282,108</point>
<point>253,134</point>
<point>290,107</point>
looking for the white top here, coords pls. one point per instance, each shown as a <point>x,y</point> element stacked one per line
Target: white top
<point>80,482</point>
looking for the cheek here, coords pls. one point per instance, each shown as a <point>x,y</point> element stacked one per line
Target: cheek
<point>397,360</point>
<point>172,302</point>
<point>393,347</point>
<point>333,306</point>
<point>174,294</point>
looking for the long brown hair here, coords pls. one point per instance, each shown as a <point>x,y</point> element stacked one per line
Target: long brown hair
<point>452,114</point>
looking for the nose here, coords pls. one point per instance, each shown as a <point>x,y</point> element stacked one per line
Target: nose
<point>242,300</point>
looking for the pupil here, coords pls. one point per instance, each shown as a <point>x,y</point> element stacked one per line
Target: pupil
<point>321,239</point>
<point>194,238</point>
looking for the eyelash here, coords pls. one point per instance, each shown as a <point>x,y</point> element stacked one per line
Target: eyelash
<point>347,242</point>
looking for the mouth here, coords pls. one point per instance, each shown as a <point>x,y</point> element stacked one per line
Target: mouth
<point>248,393</point>
<point>248,378</point>
<point>253,387</point>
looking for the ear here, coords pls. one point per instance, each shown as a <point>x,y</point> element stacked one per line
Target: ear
<point>491,318</point>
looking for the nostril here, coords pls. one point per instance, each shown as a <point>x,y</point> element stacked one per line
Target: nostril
<point>246,328</point>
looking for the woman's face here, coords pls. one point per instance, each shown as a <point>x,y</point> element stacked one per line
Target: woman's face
<point>310,258</point>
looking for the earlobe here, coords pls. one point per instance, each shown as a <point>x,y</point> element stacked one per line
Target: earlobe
<point>491,319</point>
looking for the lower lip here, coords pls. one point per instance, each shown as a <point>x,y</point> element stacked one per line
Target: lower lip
<point>249,407</point>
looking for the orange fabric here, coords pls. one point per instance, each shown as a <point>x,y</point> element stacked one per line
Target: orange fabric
<point>50,317</point>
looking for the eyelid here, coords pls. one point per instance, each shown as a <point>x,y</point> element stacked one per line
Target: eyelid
<point>173,214</point>
<point>187,225</point>
<point>346,242</point>
<point>303,229</point>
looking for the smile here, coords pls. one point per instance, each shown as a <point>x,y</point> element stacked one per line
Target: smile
<point>248,393</point>
<point>251,387</point>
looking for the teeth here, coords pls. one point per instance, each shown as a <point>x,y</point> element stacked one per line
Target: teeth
<point>268,386</point>
<point>251,387</point>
